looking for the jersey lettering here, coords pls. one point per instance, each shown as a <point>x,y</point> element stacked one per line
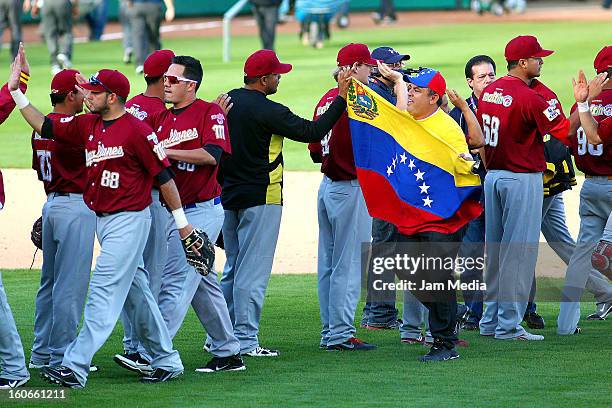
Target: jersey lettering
<point>44,158</point>
<point>185,166</point>
<point>490,125</point>
<point>110,179</point>
<point>219,131</point>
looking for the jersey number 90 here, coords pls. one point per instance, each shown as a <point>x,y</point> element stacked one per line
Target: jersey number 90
<point>490,125</point>
<point>110,179</point>
<point>584,146</point>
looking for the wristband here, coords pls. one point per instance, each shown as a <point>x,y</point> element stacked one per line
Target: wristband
<point>583,106</point>
<point>20,99</point>
<point>179,218</point>
<point>24,78</point>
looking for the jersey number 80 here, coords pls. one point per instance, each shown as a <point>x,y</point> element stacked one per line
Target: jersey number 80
<point>490,125</point>
<point>110,179</point>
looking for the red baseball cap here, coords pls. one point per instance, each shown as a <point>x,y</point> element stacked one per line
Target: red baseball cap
<point>264,62</point>
<point>523,47</point>
<point>108,80</point>
<point>352,53</point>
<point>64,81</point>
<point>603,60</point>
<point>158,63</point>
<point>428,78</point>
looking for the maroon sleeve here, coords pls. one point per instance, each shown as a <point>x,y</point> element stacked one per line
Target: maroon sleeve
<point>72,129</point>
<point>7,104</point>
<point>215,130</point>
<point>150,152</point>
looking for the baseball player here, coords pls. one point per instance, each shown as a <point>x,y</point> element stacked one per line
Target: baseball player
<point>122,157</point>
<point>143,106</point>
<point>67,232</point>
<point>514,118</point>
<point>145,19</point>
<point>194,134</point>
<point>252,187</point>
<point>344,222</point>
<point>595,160</point>
<point>13,370</point>
<point>56,24</point>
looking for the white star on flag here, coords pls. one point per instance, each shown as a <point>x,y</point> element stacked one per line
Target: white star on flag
<point>427,202</point>
<point>419,175</point>
<point>403,158</point>
<point>424,187</point>
<point>389,171</point>
<point>411,165</point>
<point>394,162</point>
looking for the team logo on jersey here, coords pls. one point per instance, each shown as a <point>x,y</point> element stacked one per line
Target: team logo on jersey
<point>601,110</point>
<point>66,119</point>
<point>219,117</point>
<point>497,98</point>
<point>551,113</point>
<point>137,113</point>
<point>178,137</point>
<point>322,109</point>
<point>363,103</point>
<point>103,153</point>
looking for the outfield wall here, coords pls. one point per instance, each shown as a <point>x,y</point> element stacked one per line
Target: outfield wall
<point>194,8</point>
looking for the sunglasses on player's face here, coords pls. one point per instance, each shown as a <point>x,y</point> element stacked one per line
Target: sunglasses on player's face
<point>95,81</point>
<point>173,79</point>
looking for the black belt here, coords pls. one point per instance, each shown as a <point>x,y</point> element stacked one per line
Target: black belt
<point>60,194</point>
<point>106,214</point>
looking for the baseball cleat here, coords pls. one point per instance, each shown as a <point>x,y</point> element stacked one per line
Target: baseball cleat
<point>127,55</point>
<point>37,366</point>
<point>134,362</point>
<point>94,368</point>
<point>603,310</point>
<point>139,69</point>
<point>412,340</point>
<point>61,375</point>
<point>160,375</point>
<point>6,384</point>
<point>534,321</point>
<point>383,326</point>
<point>529,337</point>
<point>262,352</point>
<point>207,347</point>
<point>352,344</point>
<point>64,61</point>
<point>231,363</point>
<point>440,353</point>
<point>470,325</point>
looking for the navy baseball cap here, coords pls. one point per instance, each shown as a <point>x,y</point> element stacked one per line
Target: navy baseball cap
<point>428,78</point>
<point>389,56</point>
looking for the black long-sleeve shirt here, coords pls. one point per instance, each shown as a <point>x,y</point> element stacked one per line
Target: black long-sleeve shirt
<point>253,175</point>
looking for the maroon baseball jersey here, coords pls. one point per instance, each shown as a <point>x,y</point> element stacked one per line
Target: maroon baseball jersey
<point>142,106</point>
<point>122,157</point>
<point>605,130</point>
<point>336,148</point>
<point>6,107</point>
<point>59,165</point>
<point>515,119</point>
<point>595,160</point>
<point>193,127</point>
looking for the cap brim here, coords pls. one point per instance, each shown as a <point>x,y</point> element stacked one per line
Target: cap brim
<point>397,58</point>
<point>543,53</point>
<point>282,69</point>
<point>92,87</point>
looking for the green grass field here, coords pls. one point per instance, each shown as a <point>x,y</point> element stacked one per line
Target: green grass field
<point>446,48</point>
<point>558,372</point>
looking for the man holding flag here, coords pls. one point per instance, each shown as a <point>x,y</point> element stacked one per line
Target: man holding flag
<point>414,174</point>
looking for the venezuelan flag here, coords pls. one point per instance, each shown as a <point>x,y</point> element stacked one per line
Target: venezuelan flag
<point>410,176</point>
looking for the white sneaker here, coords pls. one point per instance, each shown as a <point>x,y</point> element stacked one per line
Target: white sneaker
<point>262,352</point>
<point>37,366</point>
<point>207,347</point>
<point>55,69</point>
<point>529,337</point>
<point>64,61</point>
<point>127,55</point>
<point>139,69</point>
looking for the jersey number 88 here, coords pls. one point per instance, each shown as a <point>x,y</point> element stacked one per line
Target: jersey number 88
<point>110,179</point>
<point>490,125</point>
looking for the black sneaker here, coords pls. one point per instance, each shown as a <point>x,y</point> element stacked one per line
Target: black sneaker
<point>134,362</point>
<point>440,353</point>
<point>160,375</point>
<point>231,363</point>
<point>6,384</point>
<point>534,320</point>
<point>463,313</point>
<point>470,325</point>
<point>61,375</point>
<point>352,344</point>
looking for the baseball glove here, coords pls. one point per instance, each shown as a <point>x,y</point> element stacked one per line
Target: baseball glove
<point>36,234</point>
<point>601,259</point>
<point>198,240</point>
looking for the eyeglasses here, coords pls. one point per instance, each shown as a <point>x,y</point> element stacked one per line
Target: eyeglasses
<point>173,79</point>
<point>95,81</point>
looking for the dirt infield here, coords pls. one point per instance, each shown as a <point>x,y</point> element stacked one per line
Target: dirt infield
<point>245,25</point>
<point>297,245</point>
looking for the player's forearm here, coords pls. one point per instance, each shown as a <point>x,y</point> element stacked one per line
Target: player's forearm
<point>29,112</point>
<point>401,91</point>
<point>171,196</point>
<point>590,126</point>
<point>199,157</point>
<point>475,136</point>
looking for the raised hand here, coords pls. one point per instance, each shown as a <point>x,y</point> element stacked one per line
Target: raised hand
<point>597,84</point>
<point>15,75</point>
<point>344,81</point>
<point>581,88</point>
<point>224,101</point>
<point>389,73</point>
<point>456,99</point>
